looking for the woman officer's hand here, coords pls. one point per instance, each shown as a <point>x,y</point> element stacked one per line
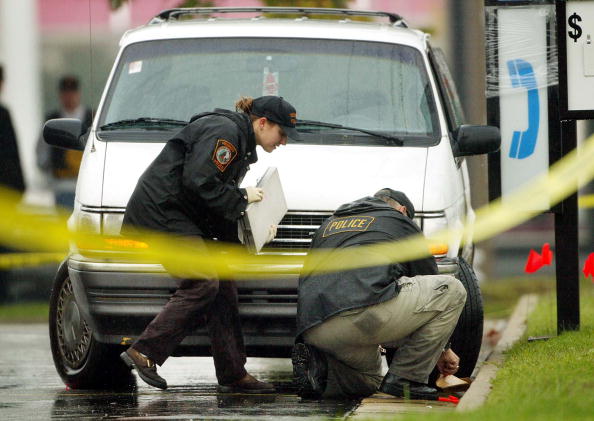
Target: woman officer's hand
<point>254,194</point>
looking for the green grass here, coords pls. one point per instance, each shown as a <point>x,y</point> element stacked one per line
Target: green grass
<point>24,313</point>
<point>551,379</point>
<point>500,297</point>
<point>543,380</point>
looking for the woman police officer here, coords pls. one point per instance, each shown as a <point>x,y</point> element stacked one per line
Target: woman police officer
<point>191,190</point>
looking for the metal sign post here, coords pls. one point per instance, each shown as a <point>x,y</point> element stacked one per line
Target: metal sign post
<point>566,247</point>
<point>575,34</point>
<point>534,112</point>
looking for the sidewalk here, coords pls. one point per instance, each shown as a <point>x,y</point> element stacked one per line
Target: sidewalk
<point>382,405</point>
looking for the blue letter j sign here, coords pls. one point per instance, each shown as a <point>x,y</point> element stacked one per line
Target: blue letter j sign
<point>522,76</point>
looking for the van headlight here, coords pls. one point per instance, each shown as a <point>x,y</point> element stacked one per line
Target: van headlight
<point>101,234</point>
<point>432,224</point>
<point>87,223</point>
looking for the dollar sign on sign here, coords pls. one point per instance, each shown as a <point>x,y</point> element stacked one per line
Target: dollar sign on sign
<point>577,30</point>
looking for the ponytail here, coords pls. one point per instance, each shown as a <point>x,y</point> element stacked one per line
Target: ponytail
<point>244,104</point>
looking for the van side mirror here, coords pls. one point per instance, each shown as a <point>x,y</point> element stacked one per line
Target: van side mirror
<point>64,133</point>
<point>476,140</point>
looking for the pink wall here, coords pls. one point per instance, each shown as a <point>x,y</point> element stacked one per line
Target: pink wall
<point>54,13</point>
<point>407,7</point>
<point>74,14</point>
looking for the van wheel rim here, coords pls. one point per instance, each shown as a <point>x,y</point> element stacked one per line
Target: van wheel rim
<point>74,334</point>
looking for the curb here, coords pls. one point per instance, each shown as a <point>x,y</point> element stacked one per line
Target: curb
<point>478,391</point>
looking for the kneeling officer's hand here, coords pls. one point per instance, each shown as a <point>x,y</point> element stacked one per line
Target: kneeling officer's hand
<point>448,362</point>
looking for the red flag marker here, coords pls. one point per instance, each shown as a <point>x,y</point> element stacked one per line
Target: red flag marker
<point>547,254</point>
<point>536,261</point>
<point>533,263</point>
<point>450,398</point>
<point>589,266</point>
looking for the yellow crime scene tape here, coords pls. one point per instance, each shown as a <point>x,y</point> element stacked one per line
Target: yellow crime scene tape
<point>11,260</point>
<point>586,202</point>
<point>184,257</point>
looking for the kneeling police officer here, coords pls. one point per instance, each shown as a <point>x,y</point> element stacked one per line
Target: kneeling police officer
<point>344,317</point>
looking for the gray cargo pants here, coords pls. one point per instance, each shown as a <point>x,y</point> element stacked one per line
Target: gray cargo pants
<point>418,322</point>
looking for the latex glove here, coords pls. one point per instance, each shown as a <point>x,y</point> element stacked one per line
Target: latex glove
<point>271,233</point>
<point>254,194</point>
<point>448,362</point>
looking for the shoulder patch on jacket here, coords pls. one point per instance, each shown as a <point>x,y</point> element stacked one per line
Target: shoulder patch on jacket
<point>224,153</point>
<point>349,223</point>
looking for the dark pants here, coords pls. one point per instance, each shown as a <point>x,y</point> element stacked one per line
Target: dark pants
<point>196,300</point>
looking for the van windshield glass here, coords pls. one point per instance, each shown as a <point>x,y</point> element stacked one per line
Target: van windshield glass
<point>374,86</point>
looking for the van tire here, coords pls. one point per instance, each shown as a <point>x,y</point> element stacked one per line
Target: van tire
<point>468,335</point>
<point>81,361</point>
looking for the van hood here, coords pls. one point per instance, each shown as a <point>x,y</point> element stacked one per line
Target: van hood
<point>124,164</point>
<point>313,177</point>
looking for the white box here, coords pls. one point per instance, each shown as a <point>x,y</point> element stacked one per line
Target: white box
<point>259,216</point>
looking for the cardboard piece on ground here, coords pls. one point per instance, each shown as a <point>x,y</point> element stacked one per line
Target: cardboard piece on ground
<point>451,383</point>
<point>255,224</point>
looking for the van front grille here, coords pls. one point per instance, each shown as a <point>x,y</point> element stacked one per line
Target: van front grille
<point>296,231</point>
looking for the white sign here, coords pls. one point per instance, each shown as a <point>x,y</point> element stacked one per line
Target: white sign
<point>523,98</point>
<point>270,83</point>
<point>579,42</point>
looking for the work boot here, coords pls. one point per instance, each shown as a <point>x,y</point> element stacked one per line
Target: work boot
<point>407,389</point>
<point>145,367</point>
<point>310,371</point>
<point>248,384</point>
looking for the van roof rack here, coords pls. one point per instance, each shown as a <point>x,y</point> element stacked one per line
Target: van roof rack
<point>172,14</point>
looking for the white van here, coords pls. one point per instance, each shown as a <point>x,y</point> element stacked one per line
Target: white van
<point>387,116</point>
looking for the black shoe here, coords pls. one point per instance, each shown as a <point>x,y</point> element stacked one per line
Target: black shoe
<point>407,389</point>
<point>248,385</point>
<point>310,370</point>
<point>145,367</point>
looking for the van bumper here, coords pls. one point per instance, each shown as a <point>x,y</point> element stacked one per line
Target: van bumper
<point>120,299</point>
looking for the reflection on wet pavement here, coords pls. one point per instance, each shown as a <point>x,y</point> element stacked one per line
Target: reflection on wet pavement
<point>31,389</point>
<point>191,403</point>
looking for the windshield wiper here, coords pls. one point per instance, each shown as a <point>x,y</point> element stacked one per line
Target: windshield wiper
<point>143,122</point>
<point>398,141</point>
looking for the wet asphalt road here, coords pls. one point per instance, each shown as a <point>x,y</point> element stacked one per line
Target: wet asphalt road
<point>30,389</point>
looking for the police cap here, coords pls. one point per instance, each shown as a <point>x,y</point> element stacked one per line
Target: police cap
<point>279,111</point>
<point>399,197</point>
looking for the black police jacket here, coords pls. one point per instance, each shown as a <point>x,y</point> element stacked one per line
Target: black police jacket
<point>191,188</point>
<point>364,221</point>
<point>11,173</point>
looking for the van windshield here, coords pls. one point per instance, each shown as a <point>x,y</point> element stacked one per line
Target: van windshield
<point>373,86</point>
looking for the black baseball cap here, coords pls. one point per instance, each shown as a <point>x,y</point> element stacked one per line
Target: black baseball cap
<point>279,111</point>
<point>400,198</point>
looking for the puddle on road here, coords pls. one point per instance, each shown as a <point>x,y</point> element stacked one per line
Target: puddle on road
<point>32,390</point>
<point>194,403</point>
